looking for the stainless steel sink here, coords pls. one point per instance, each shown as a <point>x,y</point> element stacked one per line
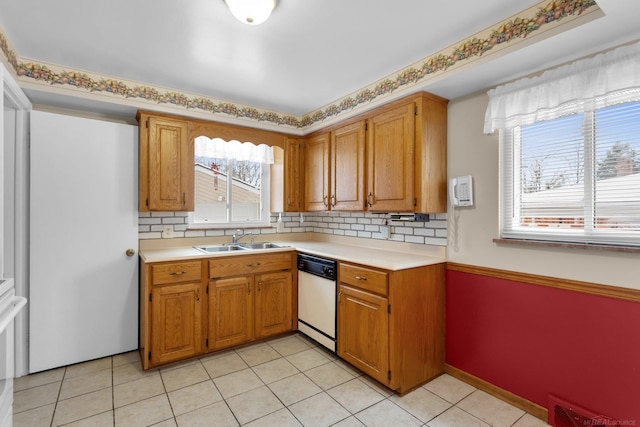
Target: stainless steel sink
<point>219,248</point>
<point>238,247</point>
<point>261,245</point>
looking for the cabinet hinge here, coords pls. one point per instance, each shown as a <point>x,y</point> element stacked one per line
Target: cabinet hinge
<point>207,291</point>
<point>147,123</point>
<point>415,110</point>
<point>415,201</point>
<point>149,355</point>
<point>150,297</point>
<point>366,126</point>
<point>206,342</point>
<point>147,201</point>
<point>389,375</point>
<point>389,308</point>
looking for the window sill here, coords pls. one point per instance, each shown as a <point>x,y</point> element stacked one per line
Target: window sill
<point>588,246</point>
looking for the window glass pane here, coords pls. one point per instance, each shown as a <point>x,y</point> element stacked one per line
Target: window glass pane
<point>551,160</point>
<point>575,178</point>
<point>211,190</point>
<point>617,168</point>
<point>245,191</point>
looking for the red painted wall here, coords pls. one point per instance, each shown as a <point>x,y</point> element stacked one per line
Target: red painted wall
<point>534,341</point>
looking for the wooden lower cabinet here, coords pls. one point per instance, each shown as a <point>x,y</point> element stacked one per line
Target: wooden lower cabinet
<point>171,312</point>
<point>250,297</point>
<point>186,309</point>
<point>176,331</point>
<point>391,324</point>
<point>273,302</point>
<point>363,333</point>
<point>245,308</point>
<point>231,311</point>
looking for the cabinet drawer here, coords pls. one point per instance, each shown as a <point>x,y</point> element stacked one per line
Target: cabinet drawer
<point>363,278</point>
<point>249,264</point>
<point>176,272</point>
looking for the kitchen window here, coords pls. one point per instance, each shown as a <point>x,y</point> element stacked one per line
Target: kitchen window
<point>570,152</point>
<point>231,184</point>
<point>574,179</point>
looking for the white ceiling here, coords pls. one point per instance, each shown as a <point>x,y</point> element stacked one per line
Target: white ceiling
<point>309,54</point>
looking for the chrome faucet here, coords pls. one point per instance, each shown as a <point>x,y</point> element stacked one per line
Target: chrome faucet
<point>236,237</point>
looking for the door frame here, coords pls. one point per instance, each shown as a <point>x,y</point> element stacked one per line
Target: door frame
<point>13,97</point>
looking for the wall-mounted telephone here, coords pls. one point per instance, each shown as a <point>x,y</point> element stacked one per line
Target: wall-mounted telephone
<point>461,191</point>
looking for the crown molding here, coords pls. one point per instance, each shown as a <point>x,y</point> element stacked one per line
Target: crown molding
<point>532,24</point>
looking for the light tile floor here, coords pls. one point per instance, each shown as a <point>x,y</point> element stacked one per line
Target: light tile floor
<point>283,382</point>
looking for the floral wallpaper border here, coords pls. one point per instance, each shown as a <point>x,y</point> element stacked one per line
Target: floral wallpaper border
<point>533,20</point>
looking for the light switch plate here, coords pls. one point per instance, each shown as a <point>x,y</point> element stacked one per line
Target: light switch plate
<point>384,230</point>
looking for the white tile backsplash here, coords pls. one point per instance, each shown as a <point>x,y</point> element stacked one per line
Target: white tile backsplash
<point>358,224</point>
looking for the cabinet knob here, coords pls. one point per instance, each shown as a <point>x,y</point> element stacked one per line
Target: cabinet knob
<point>130,252</point>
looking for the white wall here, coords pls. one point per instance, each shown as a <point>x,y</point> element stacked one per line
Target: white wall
<point>471,230</point>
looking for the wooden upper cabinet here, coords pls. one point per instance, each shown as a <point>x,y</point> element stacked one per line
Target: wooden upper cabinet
<point>287,180</point>
<point>316,190</point>
<point>347,167</point>
<point>431,154</point>
<point>390,160</point>
<point>166,164</point>
<point>293,178</point>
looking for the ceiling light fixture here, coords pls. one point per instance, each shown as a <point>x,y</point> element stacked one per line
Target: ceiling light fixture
<point>252,12</point>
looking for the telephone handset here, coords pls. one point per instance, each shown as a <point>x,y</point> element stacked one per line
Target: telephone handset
<point>461,191</point>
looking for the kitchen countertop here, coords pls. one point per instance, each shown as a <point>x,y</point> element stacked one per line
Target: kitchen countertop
<point>372,256</point>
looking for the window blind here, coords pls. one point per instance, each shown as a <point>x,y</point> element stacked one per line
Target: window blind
<point>574,178</point>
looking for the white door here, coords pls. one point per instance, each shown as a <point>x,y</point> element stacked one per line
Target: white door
<point>83,219</point>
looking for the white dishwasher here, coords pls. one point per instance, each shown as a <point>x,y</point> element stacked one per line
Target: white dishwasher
<point>317,299</point>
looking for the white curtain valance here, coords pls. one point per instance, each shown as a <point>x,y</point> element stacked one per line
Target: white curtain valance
<point>233,150</point>
<point>588,84</point>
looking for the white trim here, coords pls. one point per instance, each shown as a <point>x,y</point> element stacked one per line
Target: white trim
<point>13,96</point>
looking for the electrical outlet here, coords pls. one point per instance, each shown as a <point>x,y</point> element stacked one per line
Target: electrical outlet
<point>167,232</point>
<point>384,230</point>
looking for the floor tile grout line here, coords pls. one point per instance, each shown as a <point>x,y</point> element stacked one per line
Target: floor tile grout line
<point>281,356</point>
<point>218,390</point>
<point>55,408</point>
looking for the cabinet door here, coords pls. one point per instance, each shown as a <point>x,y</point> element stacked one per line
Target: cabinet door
<point>390,160</point>
<point>170,165</point>
<point>363,331</point>
<point>347,168</point>
<point>273,303</point>
<point>293,178</point>
<point>176,314</point>
<point>231,311</point>
<point>317,173</point>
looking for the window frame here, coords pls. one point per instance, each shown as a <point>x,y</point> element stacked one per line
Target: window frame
<point>510,216</point>
<point>265,209</point>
